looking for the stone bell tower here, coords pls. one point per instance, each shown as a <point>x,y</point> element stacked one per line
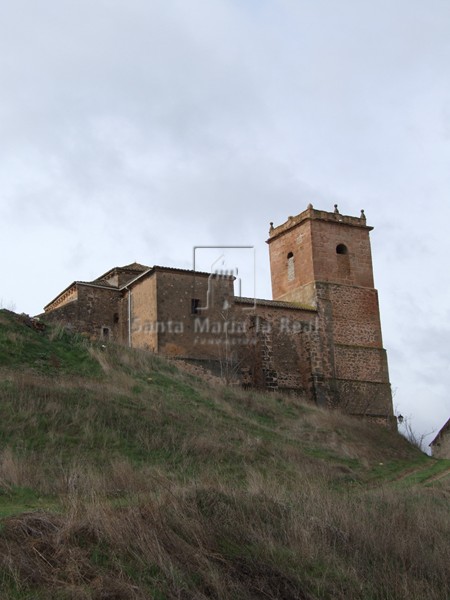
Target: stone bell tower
<point>323,259</point>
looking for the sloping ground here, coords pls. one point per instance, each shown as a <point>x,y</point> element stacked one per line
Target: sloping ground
<point>122,477</point>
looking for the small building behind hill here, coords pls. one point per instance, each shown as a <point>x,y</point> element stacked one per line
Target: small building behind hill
<point>440,446</point>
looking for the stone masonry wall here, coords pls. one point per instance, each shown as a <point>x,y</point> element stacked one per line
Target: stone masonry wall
<point>269,346</point>
<point>365,398</point>
<point>96,312</point>
<point>355,315</point>
<point>298,242</point>
<point>196,333</point>
<point>441,449</point>
<point>353,268</point>
<point>280,348</point>
<point>144,332</point>
<point>311,240</point>
<point>361,364</point>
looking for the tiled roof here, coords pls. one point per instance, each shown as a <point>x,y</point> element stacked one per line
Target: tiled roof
<point>142,270</point>
<point>181,270</point>
<point>134,267</point>
<point>138,268</point>
<point>275,303</point>
<point>98,283</point>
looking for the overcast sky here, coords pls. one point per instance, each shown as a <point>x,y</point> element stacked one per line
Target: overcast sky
<point>136,129</point>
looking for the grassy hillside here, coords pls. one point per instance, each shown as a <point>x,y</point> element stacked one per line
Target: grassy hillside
<point>123,477</point>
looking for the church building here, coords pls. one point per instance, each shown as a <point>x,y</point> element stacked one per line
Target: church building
<point>319,337</point>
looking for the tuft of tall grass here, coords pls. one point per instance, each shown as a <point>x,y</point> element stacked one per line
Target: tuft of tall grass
<point>215,541</point>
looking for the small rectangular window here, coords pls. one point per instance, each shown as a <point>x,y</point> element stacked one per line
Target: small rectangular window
<point>290,267</point>
<point>195,306</point>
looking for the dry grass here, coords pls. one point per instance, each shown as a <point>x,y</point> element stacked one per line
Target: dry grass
<point>162,486</point>
<point>211,541</point>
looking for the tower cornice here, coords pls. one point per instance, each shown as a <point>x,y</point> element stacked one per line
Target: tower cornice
<point>311,214</point>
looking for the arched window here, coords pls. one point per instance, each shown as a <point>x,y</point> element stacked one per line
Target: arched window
<point>343,261</point>
<point>290,266</point>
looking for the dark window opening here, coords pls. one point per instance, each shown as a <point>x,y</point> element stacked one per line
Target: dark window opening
<point>195,306</point>
<point>290,266</point>
<point>341,249</point>
<point>116,317</point>
<point>105,333</point>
